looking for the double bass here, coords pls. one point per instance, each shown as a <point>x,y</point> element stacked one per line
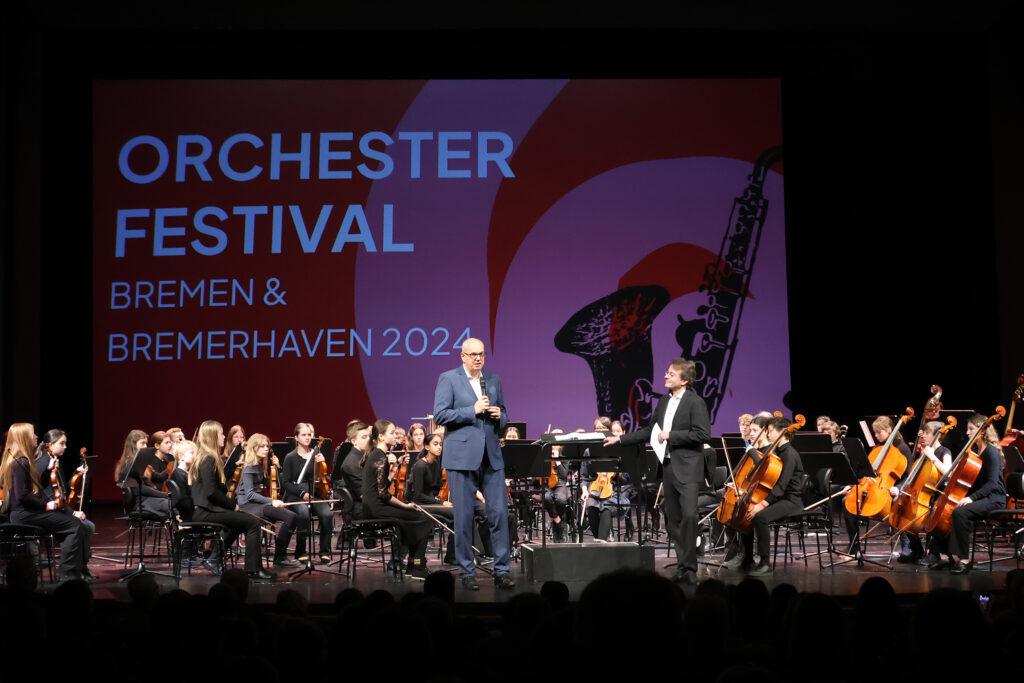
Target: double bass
<point>763,479</point>
<point>910,507</point>
<point>741,482</point>
<point>870,496</point>
<point>958,481</point>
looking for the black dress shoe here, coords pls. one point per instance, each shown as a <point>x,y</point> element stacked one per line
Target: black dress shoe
<point>260,575</point>
<point>504,581</point>
<point>940,564</point>
<point>928,561</point>
<point>961,568</point>
<point>470,583</point>
<point>684,577</point>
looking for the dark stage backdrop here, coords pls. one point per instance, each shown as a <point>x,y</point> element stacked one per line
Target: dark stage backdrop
<point>269,252</point>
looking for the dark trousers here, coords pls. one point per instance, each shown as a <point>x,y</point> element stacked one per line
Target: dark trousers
<point>67,528</point>
<point>326,517</point>
<point>237,523</point>
<point>555,501</point>
<point>773,513</point>
<point>959,540</point>
<point>415,527</point>
<point>284,515</point>
<point>463,485</point>
<point>681,512</point>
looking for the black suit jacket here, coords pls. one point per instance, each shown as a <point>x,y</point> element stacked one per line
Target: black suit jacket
<point>689,431</point>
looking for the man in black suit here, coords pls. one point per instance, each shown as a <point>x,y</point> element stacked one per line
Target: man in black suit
<point>682,418</point>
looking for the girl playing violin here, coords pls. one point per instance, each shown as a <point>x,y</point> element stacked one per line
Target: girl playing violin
<point>296,491</point>
<point>256,475</point>
<point>209,491</point>
<point>25,501</point>
<point>154,500</point>
<point>163,443</point>
<point>601,509</point>
<point>235,438</point>
<point>378,502</point>
<point>48,453</point>
<point>425,483</point>
<point>988,493</point>
<point>556,496</point>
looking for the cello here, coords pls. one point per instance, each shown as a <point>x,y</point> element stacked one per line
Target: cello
<point>870,496</point>
<point>910,506</point>
<point>958,481</point>
<point>763,479</point>
<point>740,480</point>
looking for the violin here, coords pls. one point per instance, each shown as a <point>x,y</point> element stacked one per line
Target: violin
<point>763,479</point>
<point>235,478</point>
<point>959,481</point>
<point>321,482</point>
<point>602,486</point>
<point>59,495</point>
<point>76,487</point>
<point>910,507</point>
<point>275,488</point>
<point>443,493</point>
<point>741,481</point>
<point>870,496</point>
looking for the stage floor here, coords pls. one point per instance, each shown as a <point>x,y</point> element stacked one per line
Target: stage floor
<point>322,587</point>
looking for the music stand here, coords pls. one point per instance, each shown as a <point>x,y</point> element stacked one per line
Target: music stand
<point>849,471</point>
<point>290,444</point>
<point>144,457</point>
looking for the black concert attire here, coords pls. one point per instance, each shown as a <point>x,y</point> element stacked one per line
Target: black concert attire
<point>784,500</point>
<point>987,494</point>
<point>28,507</point>
<point>154,500</point>
<point>293,492</point>
<point>601,511</point>
<point>424,484</point>
<point>910,545</point>
<point>88,528</point>
<point>556,499</point>
<point>251,500</point>
<point>689,429</point>
<point>183,503</point>
<point>352,473</point>
<point>853,521</point>
<point>416,528</point>
<point>337,472</point>
<point>213,505</point>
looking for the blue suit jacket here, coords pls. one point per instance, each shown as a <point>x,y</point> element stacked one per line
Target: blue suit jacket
<point>468,435</point>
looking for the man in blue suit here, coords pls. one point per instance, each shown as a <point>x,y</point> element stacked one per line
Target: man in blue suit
<point>469,404</point>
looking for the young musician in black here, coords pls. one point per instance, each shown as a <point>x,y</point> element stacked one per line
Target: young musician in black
<point>256,476</point>
<point>295,465</point>
<point>55,443</point>
<point>783,500</point>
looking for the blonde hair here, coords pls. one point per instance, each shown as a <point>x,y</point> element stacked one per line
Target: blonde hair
<point>181,446</point>
<point>252,445</point>
<point>208,436</point>
<point>20,439</point>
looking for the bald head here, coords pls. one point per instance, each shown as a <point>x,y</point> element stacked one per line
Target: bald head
<point>473,356</point>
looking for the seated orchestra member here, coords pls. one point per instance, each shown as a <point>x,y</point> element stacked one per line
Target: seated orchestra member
<point>988,493</point>
<point>415,442</point>
<point>601,510</point>
<point>784,499</point>
<point>295,491</point>
<point>602,424</point>
<point>757,432</point>
<point>209,491</point>
<point>176,434</point>
<point>257,462</point>
<point>910,545</point>
<point>882,428</point>
<point>184,453</point>
<point>835,433</point>
<point>744,421</point>
<point>511,432</point>
<point>235,437</point>
<point>343,449</point>
<point>352,473</point>
<point>24,500</point>
<point>378,502</point>
<point>425,483</point>
<point>556,498</point>
<point>154,500</point>
<point>48,453</point>
<point>163,444</point>
<point>821,421</point>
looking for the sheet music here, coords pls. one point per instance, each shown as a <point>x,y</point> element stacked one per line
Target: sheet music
<point>581,436</point>
<point>658,446</point>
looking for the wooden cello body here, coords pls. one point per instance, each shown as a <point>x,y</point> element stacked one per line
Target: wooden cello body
<point>959,481</point>
<point>910,507</point>
<point>870,497</point>
<point>740,482</point>
<point>762,480</point>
